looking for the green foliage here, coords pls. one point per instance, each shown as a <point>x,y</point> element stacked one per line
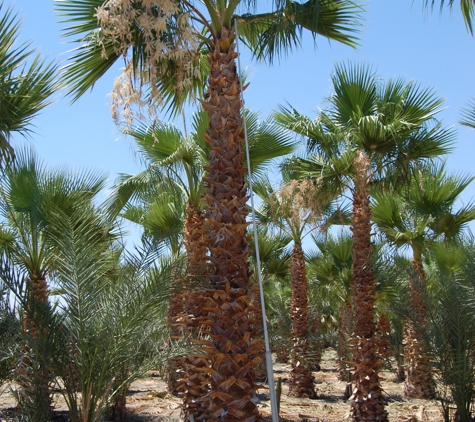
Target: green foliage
<point>451,334</point>
<point>112,312</point>
<point>26,83</point>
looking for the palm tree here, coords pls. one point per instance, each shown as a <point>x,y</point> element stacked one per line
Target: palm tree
<point>331,274</point>
<point>416,217</point>
<point>296,209</point>
<point>112,309</point>
<point>275,258</point>
<point>369,126</point>
<point>166,41</point>
<point>31,194</point>
<point>26,84</point>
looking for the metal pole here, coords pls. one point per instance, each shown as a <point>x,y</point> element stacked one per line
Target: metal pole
<point>269,367</point>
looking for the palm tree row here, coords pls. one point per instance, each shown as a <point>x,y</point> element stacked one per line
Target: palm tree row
<point>372,138</point>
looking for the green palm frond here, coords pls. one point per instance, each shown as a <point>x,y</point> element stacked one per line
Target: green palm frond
<point>466,6</point>
<point>275,34</point>
<point>355,92</point>
<point>426,211</point>
<point>267,142</point>
<point>468,114</point>
<point>26,82</point>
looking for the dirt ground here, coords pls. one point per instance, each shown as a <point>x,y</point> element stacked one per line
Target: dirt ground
<point>148,400</point>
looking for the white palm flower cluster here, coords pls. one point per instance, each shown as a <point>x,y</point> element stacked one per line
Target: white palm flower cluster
<point>165,51</point>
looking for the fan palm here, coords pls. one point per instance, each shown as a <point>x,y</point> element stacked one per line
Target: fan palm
<point>330,270</point>
<point>416,217</point>
<point>292,210</point>
<point>30,193</point>
<point>26,83</point>
<point>167,40</point>
<point>171,191</point>
<point>369,126</point>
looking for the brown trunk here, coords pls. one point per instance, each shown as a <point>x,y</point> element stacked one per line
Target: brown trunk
<point>32,368</point>
<point>368,402</point>
<point>118,412</point>
<point>344,334</point>
<point>301,378</point>
<point>317,346</point>
<point>382,339</point>
<point>419,382</point>
<point>230,315</point>
<point>194,375</point>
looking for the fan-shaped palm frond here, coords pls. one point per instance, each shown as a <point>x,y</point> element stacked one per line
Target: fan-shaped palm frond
<point>26,83</point>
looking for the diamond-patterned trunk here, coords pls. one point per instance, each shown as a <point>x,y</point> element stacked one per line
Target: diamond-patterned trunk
<point>368,402</point>
<point>419,382</point>
<point>301,378</point>
<point>345,329</point>
<point>230,315</point>
<point>194,377</point>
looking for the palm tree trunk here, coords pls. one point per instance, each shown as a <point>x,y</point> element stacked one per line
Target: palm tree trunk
<point>230,314</point>
<point>32,368</point>
<point>344,334</point>
<point>419,382</point>
<point>194,376</point>
<point>383,342</point>
<point>368,402</point>
<point>301,378</point>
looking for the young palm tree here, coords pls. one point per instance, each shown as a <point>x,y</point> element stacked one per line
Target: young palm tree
<point>331,273</point>
<point>416,217</point>
<point>26,83</point>
<point>370,126</point>
<point>30,195</point>
<point>166,40</point>
<point>111,312</point>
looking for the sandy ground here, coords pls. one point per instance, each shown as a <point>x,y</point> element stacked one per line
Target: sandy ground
<point>148,400</point>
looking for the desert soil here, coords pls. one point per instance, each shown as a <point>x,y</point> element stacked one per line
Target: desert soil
<point>148,400</point>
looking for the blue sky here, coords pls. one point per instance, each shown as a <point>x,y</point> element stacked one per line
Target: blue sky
<point>398,39</point>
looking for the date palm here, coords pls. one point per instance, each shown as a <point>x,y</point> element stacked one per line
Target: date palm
<point>165,42</point>
<point>30,195</point>
<point>417,217</point>
<point>26,83</point>
<point>369,127</point>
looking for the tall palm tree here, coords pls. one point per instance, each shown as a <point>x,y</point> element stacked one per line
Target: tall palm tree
<point>166,41</point>
<point>31,194</point>
<point>26,83</point>
<point>171,190</point>
<point>417,217</point>
<point>369,127</point>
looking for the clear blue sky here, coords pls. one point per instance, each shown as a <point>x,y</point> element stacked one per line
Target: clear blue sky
<point>399,39</point>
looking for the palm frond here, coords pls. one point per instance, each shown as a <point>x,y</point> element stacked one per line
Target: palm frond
<point>275,34</point>
<point>26,83</point>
